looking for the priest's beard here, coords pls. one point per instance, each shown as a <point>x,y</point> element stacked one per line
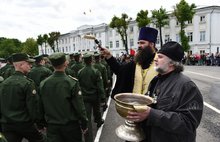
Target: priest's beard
<point>144,57</point>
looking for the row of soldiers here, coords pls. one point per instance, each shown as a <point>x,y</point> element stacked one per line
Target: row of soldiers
<point>56,94</point>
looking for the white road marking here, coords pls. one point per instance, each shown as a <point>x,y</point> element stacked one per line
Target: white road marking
<point>99,132</point>
<point>211,107</point>
<point>203,75</point>
<point>205,103</point>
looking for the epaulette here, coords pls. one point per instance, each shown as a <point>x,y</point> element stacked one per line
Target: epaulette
<point>28,78</point>
<point>73,78</point>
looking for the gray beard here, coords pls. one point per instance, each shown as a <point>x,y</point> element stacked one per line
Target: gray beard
<point>159,70</point>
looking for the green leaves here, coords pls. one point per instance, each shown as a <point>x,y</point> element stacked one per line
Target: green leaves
<point>142,18</point>
<point>184,12</point>
<point>121,26</point>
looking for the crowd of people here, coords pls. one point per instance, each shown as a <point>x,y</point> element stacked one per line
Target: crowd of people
<point>59,97</point>
<point>202,59</point>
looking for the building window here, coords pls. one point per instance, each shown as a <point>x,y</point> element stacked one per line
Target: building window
<point>189,22</point>
<point>202,18</point>
<point>110,44</point>
<point>116,33</point>
<point>202,52</point>
<point>110,33</point>
<point>117,44</point>
<point>190,36</point>
<point>131,42</point>
<point>167,38</point>
<point>202,35</point>
<point>177,23</point>
<point>177,38</point>
<point>131,29</point>
<point>189,52</point>
<point>158,40</point>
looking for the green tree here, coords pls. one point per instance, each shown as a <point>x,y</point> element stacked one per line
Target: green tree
<point>9,46</point>
<point>142,18</point>
<point>160,19</point>
<point>45,41</point>
<point>30,47</point>
<point>40,41</point>
<point>121,25</point>
<point>53,39</point>
<point>183,13</point>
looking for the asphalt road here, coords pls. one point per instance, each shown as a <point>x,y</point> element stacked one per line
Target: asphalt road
<point>208,80</point>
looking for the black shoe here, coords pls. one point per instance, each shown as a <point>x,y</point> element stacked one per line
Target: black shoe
<point>104,107</point>
<point>99,124</point>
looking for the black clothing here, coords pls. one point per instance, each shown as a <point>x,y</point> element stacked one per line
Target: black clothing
<point>178,111</point>
<point>125,76</point>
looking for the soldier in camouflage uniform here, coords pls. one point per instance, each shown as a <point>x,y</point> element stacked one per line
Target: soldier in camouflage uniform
<point>18,103</point>
<point>62,104</point>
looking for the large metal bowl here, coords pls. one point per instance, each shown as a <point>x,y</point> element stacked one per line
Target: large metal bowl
<point>125,102</point>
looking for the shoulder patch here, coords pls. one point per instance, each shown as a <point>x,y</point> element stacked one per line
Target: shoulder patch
<point>73,78</point>
<point>28,79</point>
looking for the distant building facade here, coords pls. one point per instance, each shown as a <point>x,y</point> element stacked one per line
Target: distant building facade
<point>202,32</point>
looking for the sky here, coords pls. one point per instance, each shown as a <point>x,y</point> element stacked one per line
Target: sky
<point>23,19</point>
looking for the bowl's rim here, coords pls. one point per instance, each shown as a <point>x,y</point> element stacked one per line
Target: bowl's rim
<point>124,106</point>
<point>141,95</point>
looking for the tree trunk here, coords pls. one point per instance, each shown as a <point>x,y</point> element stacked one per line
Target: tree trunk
<point>45,48</point>
<point>126,43</point>
<point>161,40</point>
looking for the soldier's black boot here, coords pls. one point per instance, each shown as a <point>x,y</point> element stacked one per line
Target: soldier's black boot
<point>99,124</point>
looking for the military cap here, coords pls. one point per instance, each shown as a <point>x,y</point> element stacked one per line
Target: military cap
<point>57,58</point>
<point>17,57</point>
<point>76,54</point>
<point>38,58</point>
<point>87,55</point>
<point>96,54</point>
<point>2,59</point>
<point>9,59</point>
<point>71,54</point>
<point>45,55</point>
